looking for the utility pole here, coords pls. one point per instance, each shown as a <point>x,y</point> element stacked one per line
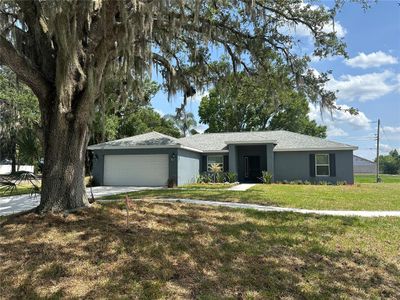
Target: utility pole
<point>377,151</point>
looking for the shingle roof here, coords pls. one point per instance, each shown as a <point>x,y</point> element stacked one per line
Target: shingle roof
<point>284,140</point>
<point>209,142</point>
<point>151,139</point>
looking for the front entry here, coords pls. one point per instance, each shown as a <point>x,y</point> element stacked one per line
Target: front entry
<point>252,170</point>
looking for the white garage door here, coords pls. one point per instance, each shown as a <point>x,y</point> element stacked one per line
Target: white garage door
<point>136,170</point>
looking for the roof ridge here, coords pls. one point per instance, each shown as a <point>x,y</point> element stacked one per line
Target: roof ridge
<point>364,158</point>
<point>234,132</point>
<point>138,135</point>
<point>262,131</point>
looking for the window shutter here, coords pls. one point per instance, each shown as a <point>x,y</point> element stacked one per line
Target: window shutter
<point>226,163</point>
<point>204,163</point>
<point>312,165</point>
<point>332,164</point>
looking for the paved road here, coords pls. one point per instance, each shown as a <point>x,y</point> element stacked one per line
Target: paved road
<point>15,204</point>
<point>342,213</point>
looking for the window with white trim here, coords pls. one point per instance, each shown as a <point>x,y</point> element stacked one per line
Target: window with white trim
<point>215,159</point>
<point>322,167</point>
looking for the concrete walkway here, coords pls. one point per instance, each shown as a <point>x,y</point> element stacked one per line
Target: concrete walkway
<point>241,187</point>
<point>341,213</point>
<point>14,204</point>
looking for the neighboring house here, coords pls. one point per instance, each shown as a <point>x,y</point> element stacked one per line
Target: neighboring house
<point>152,159</point>
<point>363,166</point>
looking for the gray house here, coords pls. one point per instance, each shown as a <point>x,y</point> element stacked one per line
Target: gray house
<point>363,165</point>
<point>152,159</point>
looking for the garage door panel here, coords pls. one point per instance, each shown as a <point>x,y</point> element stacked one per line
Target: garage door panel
<point>136,170</point>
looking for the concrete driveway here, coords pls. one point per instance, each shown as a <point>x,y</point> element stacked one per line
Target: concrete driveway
<point>15,204</point>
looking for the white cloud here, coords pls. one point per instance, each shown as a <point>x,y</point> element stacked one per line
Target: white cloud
<point>398,83</point>
<point>374,59</point>
<point>198,96</point>
<point>335,27</point>
<point>160,112</point>
<point>314,58</point>
<point>339,117</point>
<point>364,87</point>
<point>390,133</point>
<point>357,121</point>
<point>336,132</point>
<point>384,148</point>
<point>303,31</point>
<point>391,129</point>
<point>200,128</point>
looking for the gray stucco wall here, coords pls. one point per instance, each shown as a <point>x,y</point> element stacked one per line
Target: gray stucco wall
<point>98,161</point>
<point>296,166</point>
<point>270,160</point>
<point>233,161</point>
<point>363,166</point>
<point>188,166</point>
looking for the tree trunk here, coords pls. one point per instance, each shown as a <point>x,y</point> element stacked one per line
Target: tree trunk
<point>65,141</point>
<point>13,159</point>
<point>13,153</point>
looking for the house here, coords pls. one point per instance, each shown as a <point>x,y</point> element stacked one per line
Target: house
<point>152,159</point>
<point>362,165</point>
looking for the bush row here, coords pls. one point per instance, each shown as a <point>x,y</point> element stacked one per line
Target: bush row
<point>220,177</point>
<point>306,182</point>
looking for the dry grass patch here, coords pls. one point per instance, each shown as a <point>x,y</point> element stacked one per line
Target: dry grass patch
<point>182,251</point>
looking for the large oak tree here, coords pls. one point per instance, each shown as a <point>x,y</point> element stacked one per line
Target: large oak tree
<point>64,49</point>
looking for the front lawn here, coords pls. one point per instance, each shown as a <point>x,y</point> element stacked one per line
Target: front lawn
<point>370,178</point>
<point>178,251</point>
<point>208,186</point>
<point>22,188</point>
<point>351,197</point>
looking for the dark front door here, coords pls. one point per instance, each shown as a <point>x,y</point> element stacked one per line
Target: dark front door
<point>252,170</point>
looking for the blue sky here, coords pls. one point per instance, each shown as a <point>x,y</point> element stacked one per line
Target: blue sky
<point>368,81</point>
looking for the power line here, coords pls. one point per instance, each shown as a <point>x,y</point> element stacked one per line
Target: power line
<point>377,150</point>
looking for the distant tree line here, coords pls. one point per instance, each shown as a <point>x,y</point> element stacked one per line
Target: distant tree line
<point>390,164</point>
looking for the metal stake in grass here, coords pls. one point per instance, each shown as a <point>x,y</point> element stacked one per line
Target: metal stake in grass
<point>127,200</point>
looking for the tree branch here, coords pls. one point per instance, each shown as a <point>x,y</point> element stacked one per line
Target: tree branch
<point>20,66</point>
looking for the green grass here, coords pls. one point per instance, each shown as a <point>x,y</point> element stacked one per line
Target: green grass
<point>370,178</point>
<point>20,190</point>
<point>179,251</point>
<point>351,197</point>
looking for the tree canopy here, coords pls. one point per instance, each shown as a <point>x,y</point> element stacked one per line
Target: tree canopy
<point>265,101</point>
<point>390,164</point>
<point>64,51</point>
<point>19,121</point>
<point>115,119</point>
<point>184,121</point>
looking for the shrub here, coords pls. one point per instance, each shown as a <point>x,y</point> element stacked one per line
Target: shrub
<point>204,178</point>
<point>219,177</point>
<point>215,170</point>
<point>266,177</point>
<point>285,182</point>
<point>231,177</point>
<point>171,183</point>
<point>306,182</point>
<point>296,182</point>
<point>341,182</point>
